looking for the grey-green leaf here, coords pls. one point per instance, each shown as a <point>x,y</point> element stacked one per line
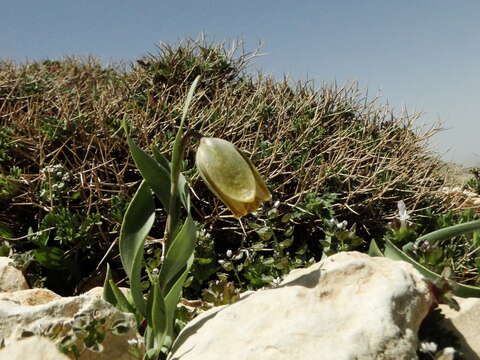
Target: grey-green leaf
<point>156,175</point>
<point>108,294</point>
<point>178,254</point>
<point>158,316</point>
<point>136,225</point>
<point>373,249</point>
<point>449,232</point>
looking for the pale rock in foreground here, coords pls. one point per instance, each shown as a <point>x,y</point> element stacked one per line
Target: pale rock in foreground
<point>351,306</point>
<point>28,312</point>
<point>29,297</point>
<point>11,279</point>
<point>32,348</point>
<point>464,324</point>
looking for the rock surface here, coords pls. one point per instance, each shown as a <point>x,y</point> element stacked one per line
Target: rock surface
<point>24,313</point>
<point>464,324</point>
<point>30,297</point>
<point>65,316</point>
<point>11,279</point>
<point>351,306</point>
<point>32,348</point>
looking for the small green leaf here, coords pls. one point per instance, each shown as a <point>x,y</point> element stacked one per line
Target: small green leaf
<point>5,231</point>
<point>434,256</point>
<point>286,243</point>
<point>374,250</point>
<point>136,225</point>
<point>51,258</point>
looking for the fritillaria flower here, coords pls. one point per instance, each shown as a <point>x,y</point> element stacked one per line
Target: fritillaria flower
<point>231,176</point>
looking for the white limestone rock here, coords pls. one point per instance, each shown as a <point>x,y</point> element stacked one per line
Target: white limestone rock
<point>464,324</point>
<point>58,317</point>
<point>30,297</point>
<point>32,348</point>
<point>11,279</point>
<point>98,291</point>
<point>351,306</point>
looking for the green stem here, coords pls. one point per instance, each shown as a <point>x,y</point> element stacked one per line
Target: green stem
<point>176,165</point>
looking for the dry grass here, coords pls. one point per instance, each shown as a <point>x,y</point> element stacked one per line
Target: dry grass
<point>302,139</point>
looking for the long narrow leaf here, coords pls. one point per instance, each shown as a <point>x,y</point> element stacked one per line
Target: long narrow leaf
<point>178,254</point>
<point>158,317</point>
<point>178,143</point>
<point>156,175</point>
<point>449,232</point>
<point>136,225</point>
<point>108,294</point>
<point>394,253</point>
<point>175,169</point>
<point>172,299</point>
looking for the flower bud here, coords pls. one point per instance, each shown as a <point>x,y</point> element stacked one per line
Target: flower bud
<point>231,176</point>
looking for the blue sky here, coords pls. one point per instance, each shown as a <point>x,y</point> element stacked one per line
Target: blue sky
<point>423,55</point>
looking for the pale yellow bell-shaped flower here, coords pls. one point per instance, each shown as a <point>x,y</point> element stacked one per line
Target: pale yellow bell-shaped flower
<point>231,176</point>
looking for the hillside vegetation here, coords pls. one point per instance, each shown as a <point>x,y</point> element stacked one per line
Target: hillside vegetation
<point>328,154</point>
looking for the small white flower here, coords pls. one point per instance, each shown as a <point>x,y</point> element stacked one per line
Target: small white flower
<point>229,253</point>
<point>403,213</point>
<point>132,342</point>
<point>276,281</point>
<point>340,225</point>
<point>238,256</point>
<point>428,347</point>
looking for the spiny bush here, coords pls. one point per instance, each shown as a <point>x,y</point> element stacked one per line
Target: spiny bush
<point>327,153</point>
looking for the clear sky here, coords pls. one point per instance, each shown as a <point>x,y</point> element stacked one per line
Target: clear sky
<point>422,54</point>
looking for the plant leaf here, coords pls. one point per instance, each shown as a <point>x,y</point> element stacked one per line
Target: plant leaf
<point>171,301</point>
<point>449,232</point>
<point>121,300</point>
<point>160,158</point>
<point>175,170</point>
<point>178,254</point>
<point>136,225</point>
<point>374,250</point>
<point>158,317</point>
<point>156,175</point>
<point>108,294</point>
<point>113,295</point>
<point>182,182</point>
<point>51,257</point>
<point>394,253</point>
<point>177,152</point>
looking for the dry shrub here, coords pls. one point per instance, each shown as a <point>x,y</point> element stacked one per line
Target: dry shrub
<point>303,139</point>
